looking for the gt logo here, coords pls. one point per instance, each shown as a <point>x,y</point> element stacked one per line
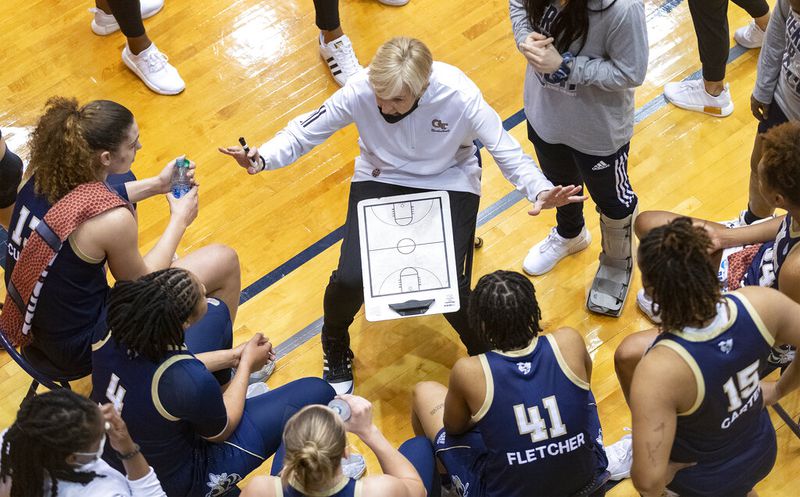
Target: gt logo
<point>439,126</point>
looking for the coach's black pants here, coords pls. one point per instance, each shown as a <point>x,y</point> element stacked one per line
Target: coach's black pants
<point>710,18</point>
<point>605,177</point>
<point>345,292</point>
<point>327,14</point>
<point>128,14</point>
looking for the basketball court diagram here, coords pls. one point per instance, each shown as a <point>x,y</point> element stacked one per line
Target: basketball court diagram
<point>407,252</point>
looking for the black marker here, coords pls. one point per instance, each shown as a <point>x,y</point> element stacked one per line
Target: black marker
<point>246,149</point>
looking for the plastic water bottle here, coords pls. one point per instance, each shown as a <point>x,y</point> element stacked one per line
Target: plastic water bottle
<point>341,408</point>
<point>181,183</point>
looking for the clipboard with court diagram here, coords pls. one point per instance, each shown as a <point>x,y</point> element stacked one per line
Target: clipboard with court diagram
<point>407,256</point>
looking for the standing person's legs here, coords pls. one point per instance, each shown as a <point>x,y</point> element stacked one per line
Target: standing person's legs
<point>752,35</point>
<point>334,46</point>
<point>758,207</point>
<point>464,214</point>
<point>140,54</point>
<point>606,178</point>
<point>570,234</point>
<point>709,95</point>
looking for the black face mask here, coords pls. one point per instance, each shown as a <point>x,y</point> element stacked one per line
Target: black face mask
<point>392,118</point>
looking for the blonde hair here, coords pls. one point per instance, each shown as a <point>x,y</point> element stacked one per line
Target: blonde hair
<point>315,441</point>
<point>401,64</point>
<point>65,141</point>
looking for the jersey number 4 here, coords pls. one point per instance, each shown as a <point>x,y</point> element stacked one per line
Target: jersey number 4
<point>115,392</point>
<point>530,422</point>
<point>748,382</point>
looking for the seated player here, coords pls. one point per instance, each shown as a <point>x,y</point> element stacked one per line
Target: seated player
<point>10,176</point>
<point>520,420</point>
<point>53,449</point>
<point>200,438</point>
<point>699,423</point>
<point>74,145</point>
<point>759,255</point>
<point>315,443</point>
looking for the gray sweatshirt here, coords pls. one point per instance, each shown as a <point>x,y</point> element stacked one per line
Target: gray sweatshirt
<point>779,62</point>
<point>593,110</point>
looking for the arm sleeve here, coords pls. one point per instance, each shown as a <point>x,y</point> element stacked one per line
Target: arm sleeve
<point>188,391</point>
<point>628,52</point>
<point>519,21</point>
<point>309,130</point>
<point>771,58</point>
<point>148,486</point>
<point>10,177</point>
<point>516,166</point>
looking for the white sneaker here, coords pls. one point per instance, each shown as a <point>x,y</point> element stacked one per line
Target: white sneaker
<point>339,56</point>
<point>153,69</point>
<point>645,304</point>
<point>262,374</point>
<point>735,223</point>
<point>354,466</point>
<point>620,458</point>
<point>256,389</point>
<point>692,95</point>
<point>750,36</point>
<point>394,3</point>
<point>105,24</point>
<point>545,255</point>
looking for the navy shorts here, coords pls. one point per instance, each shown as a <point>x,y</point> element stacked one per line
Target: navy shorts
<point>775,116</point>
<point>258,435</point>
<point>213,332</point>
<point>463,456</point>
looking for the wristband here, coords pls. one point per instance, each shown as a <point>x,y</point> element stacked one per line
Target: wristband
<point>131,454</point>
<point>562,73</point>
<point>263,163</point>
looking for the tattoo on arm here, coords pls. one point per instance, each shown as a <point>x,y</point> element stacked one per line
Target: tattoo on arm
<point>653,448</point>
<point>438,408</point>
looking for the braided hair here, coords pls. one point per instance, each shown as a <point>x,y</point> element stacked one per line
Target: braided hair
<point>678,273</point>
<point>49,427</point>
<point>504,311</point>
<point>147,316</point>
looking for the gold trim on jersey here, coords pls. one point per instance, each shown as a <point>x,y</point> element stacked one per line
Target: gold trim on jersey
<point>571,376</point>
<point>324,493</point>
<point>519,352</point>
<point>489,398</point>
<point>357,490</point>
<point>278,486</point>
<point>762,328</point>
<point>154,386</point>
<point>100,343</point>
<point>714,332</point>
<point>698,375</point>
<point>794,229</point>
<point>80,253</point>
<point>240,448</point>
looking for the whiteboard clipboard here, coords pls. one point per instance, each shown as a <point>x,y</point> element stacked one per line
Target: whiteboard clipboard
<point>407,256</point>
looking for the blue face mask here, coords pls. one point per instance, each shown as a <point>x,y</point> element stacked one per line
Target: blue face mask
<point>93,456</point>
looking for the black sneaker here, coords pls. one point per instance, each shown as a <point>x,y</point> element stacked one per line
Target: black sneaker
<point>337,367</point>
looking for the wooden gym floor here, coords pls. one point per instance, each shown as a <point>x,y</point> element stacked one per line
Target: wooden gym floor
<point>251,66</point>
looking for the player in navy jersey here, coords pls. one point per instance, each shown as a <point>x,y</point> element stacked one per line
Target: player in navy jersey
<point>699,423</point>
<point>199,439</point>
<point>73,145</point>
<point>520,420</point>
<point>315,443</point>
<point>762,254</point>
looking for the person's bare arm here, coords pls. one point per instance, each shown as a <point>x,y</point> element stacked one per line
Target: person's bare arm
<point>661,387</point>
<point>573,350</point>
<point>789,277</point>
<point>467,380</point>
<point>748,235</point>
<point>260,486</point>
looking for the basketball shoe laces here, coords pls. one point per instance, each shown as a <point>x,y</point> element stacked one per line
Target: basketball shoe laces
<point>338,357</point>
<point>345,57</point>
<point>155,61</point>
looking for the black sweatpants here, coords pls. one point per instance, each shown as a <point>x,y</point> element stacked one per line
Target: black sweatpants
<point>605,177</point>
<point>327,14</point>
<point>710,18</point>
<point>128,14</point>
<point>345,292</point>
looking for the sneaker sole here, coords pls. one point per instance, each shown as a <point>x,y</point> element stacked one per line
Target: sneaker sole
<point>144,80</point>
<point>711,111</point>
<point>746,44</point>
<point>571,251</point>
<point>113,28</point>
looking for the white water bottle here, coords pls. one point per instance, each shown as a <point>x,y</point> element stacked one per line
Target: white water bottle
<point>341,408</point>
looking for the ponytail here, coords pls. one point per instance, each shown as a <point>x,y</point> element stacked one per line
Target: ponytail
<point>315,441</point>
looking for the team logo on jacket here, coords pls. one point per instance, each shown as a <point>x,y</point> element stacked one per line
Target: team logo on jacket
<point>220,484</point>
<point>726,345</point>
<point>439,126</point>
<point>524,367</point>
<point>461,489</point>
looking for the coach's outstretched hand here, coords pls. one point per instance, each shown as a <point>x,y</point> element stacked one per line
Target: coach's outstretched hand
<point>244,160</point>
<point>556,197</point>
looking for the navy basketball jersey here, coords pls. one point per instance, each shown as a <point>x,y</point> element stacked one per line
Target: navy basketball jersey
<point>766,266</point>
<point>73,299</point>
<point>345,488</point>
<point>728,418</point>
<point>539,424</point>
<point>145,394</point>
